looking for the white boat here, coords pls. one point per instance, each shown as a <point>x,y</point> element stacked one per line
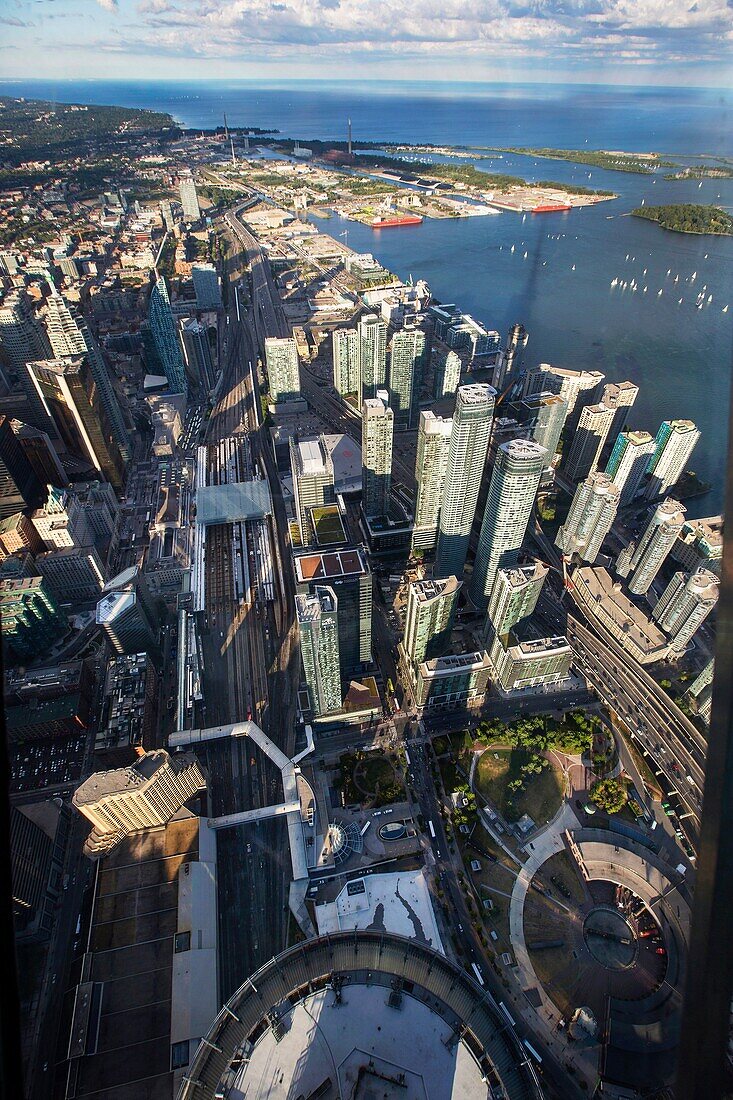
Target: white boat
<point>525,255</point>
<point>572,268</point>
<point>512,248</point>
<point>705,256</point>
<point>693,277</point>
<point>710,298</point>
<point>524,218</point>
<point>644,271</point>
<point>627,255</point>
<point>614,282</point>
<point>676,279</point>
<point>669,271</point>
<point>725,309</point>
<point>659,294</point>
<point>645,289</point>
<point>680,302</point>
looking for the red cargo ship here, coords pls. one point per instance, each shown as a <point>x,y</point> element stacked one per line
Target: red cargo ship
<point>549,208</point>
<point>403,219</point>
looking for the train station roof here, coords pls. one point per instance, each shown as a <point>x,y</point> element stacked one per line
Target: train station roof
<point>233,503</point>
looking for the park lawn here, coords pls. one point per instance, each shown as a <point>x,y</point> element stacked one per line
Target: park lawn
<point>540,799</point>
<point>374,770</point>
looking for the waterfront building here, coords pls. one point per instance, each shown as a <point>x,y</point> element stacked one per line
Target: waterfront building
<point>628,463</point>
<point>145,795</point>
<point>164,337</point>
<point>514,597</point>
<point>700,544</point>
<point>189,198</point>
<point>347,572</point>
<point>372,356</point>
<point>654,545</point>
<point>73,575</point>
<point>685,603</point>
<point>19,486</point>
<point>376,455</point>
<point>41,453</point>
<point>531,663</point>
<point>619,396</point>
<point>433,445</point>
<point>407,365</point>
<point>69,336</point>
<point>591,515</point>
<point>673,446</point>
<point>469,443</point>
<point>283,369</point>
<point>319,647</point>
<point>456,680</point>
<point>206,286</point>
<point>512,490</point>
<point>545,415</point>
<point>197,354</point>
<point>29,616</point>
<point>313,482</point>
<point>346,371</point>
<point>594,424</point>
<point>22,338</point>
<point>431,609</point>
<point>447,375</point>
<point>568,384</point>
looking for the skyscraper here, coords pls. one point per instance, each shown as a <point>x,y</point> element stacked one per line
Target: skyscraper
<point>376,455</point>
<point>447,375</point>
<point>619,396</point>
<point>29,616</point>
<point>590,518</point>
<point>19,486</point>
<point>73,400</point>
<point>594,425</point>
<point>22,338</point>
<point>319,648</point>
<point>685,603</point>
<point>372,356</point>
<point>165,339</point>
<point>346,361</point>
<point>431,608</point>
<point>568,384</point>
<point>41,454</point>
<point>347,572</point>
<point>126,623</point>
<point>512,490</point>
<point>511,360</point>
<point>628,463</point>
<point>189,198</point>
<point>673,446</point>
<point>469,443</point>
<point>433,445</point>
<point>206,285</point>
<point>281,358</point>
<point>197,353</point>
<point>69,335</point>
<point>545,413</point>
<point>313,482</point>
<point>654,545</point>
<point>406,367</point>
<point>514,597</point>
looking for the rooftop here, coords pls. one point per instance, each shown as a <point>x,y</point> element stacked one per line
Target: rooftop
<point>216,504</point>
<point>330,565</point>
<point>398,902</point>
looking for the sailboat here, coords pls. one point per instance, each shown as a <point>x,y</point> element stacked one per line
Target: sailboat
<point>525,255</point>
<point>680,302</point>
<point>512,248</point>
<point>659,294</point>
<point>710,298</point>
<point>614,282</point>
<point>725,309</point>
<point>573,268</point>
<point>669,271</point>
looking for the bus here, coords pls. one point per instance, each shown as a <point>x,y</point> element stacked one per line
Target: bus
<point>364,828</point>
<point>477,972</point>
<point>432,829</point>
<point>537,1057</point>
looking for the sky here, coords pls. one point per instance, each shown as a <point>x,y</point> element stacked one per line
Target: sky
<point>680,42</point>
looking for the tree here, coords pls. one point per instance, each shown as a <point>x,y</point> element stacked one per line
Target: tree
<point>609,795</point>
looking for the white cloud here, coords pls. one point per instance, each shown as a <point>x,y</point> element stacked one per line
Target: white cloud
<point>108,5</point>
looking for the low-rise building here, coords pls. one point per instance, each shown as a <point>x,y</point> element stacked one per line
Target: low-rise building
<point>129,708</point>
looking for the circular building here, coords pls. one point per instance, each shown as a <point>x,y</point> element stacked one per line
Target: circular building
<point>360,1014</point>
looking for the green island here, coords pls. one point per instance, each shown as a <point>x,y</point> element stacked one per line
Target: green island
<point>688,218</point>
<point>701,172</point>
<point>641,163</point>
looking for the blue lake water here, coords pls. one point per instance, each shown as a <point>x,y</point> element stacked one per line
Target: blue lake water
<point>678,354</point>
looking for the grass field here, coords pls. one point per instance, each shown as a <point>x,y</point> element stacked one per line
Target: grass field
<point>542,796</point>
<point>328,525</point>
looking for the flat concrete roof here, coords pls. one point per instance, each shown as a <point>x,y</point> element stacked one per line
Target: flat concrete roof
<point>321,1042</point>
<point>643,632</point>
<point>398,902</point>
<point>233,503</point>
